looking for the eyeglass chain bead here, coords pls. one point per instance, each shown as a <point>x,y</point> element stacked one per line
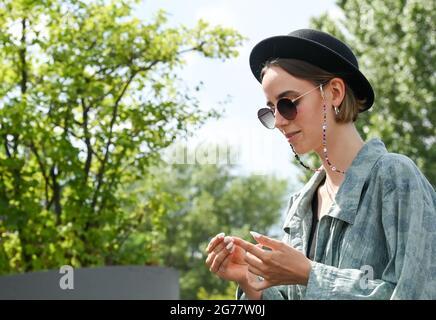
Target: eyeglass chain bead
<point>324,144</point>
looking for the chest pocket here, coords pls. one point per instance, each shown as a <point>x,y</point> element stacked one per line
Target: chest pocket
<point>329,247</point>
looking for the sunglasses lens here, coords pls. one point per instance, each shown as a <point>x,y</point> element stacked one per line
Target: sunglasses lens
<point>287,109</point>
<point>266,117</point>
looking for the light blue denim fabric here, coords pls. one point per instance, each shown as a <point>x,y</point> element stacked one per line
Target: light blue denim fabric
<point>378,240</point>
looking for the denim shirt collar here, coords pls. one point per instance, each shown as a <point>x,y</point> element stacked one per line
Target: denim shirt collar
<point>349,194</point>
<point>350,191</point>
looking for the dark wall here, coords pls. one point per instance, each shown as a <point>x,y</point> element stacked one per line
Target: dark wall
<point>115,282</point>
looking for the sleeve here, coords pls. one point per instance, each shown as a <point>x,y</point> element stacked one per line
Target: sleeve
<point>409,222</point>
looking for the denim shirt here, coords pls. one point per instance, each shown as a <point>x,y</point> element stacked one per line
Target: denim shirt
<point>378,239</point>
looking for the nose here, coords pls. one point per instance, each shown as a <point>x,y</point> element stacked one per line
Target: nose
<point>280,121</point>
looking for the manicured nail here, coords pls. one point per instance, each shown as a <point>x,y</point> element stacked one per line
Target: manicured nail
<point>229,246</point>
<point>227,239</point>
<point>232,249</point>
<point>220,235</point>
<point>255,234</point>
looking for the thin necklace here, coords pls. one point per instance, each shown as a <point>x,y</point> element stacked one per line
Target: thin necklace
<point>331,189</point>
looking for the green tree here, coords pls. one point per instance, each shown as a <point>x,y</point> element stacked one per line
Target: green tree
<point>395,41</point>
<point>209,199</point>
<point>89,95</point>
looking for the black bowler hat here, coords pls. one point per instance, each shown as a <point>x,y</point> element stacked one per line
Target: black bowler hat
<point>319,49</point>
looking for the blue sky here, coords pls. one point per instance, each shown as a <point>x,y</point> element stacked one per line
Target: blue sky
<point>258,150</point>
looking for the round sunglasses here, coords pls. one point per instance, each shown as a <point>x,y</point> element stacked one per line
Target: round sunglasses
<point>285,106</point>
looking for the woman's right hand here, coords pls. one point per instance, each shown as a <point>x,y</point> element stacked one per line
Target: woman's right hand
<point>226,260</point>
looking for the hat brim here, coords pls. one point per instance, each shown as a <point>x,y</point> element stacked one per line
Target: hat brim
<point>289,47</point>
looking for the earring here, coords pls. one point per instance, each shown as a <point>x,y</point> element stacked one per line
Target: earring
<point>336,110</point>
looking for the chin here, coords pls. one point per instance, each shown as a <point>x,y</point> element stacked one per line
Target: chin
<point>302,146</point>
<point>301,149</point>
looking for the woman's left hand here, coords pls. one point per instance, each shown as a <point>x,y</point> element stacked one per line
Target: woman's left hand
<point>283,265</point>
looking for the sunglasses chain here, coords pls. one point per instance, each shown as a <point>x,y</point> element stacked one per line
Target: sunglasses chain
<point>324,144</point>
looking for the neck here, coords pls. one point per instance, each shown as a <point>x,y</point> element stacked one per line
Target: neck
<point>343,144</point>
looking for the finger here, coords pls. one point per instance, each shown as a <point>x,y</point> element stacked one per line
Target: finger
<point>214,252</point>
<point>223,267</point>
<point>266,241</point>
<point>253,249</point>
<point>210,244</point>
<point>230,247</point>
<point>219,258</point>
<point>227,239</point>
<point>224,264</point>
<point>254,261</point>
<point>210,258</point>
<point>220,247</point>
<point>215,240</point>
<point>255,271</point>
<point>256,280</point>
<point>239,252</point>
<point>260,285</point>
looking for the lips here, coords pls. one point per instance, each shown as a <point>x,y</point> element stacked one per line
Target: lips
<point>291,134</point>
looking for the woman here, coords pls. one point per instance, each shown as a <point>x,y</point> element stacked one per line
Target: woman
<point>364,226</point>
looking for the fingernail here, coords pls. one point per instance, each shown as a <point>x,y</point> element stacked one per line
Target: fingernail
<point>232,249</point>
<point>255,234</point>
<point>220,235</point>
<point>227,239</point>
<point>229,245</point>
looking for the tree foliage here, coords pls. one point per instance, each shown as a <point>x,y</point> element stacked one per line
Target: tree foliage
<point>89,95</point>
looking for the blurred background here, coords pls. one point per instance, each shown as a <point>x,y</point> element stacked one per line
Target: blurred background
<point>129,133</point>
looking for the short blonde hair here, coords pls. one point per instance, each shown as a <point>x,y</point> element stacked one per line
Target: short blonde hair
<point>350,106</point>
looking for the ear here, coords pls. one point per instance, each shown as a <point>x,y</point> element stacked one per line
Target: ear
<point>337,89</point>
